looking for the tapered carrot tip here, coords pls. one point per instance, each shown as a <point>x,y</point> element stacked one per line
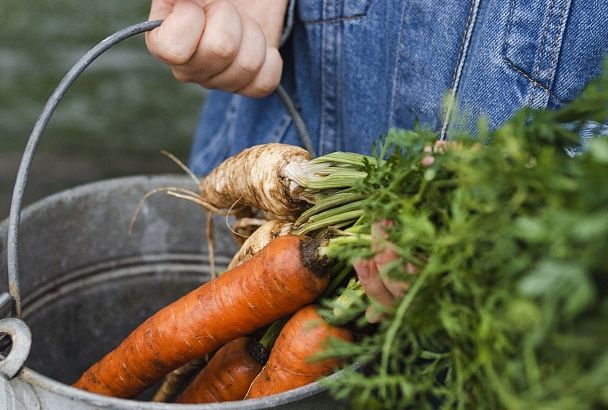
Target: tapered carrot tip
<point>284,276</point>
<point>292,363</point>
<point>227,377</point>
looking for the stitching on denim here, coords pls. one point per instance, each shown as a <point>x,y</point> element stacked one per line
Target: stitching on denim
<point>338,124</point>
<point>541,47</point>
<point>540,51</point>
<point>399,59</point>
<point>556,50</point>
<point>462,42</point>
<point>535,82</point>
<point>462,55</point>
<point>289,18</point>
<point>507,31</point>
<point>557,47</point>
<point>323,20</point>
<point>323,82</point>
<point>559,38</point>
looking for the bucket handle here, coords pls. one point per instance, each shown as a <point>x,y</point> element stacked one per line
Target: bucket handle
<point>21,342</point>
<point>40,127</point>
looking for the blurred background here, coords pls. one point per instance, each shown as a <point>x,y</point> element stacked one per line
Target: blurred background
<point>115,119</point>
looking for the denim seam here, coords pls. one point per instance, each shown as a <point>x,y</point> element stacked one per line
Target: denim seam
<point>322,132</point>
<point>400,48</point>
<point>462,55</point>
<point>540,51</point>
<point>534,82</point>
<point>323,20</point>
<point>537,83</point>
<point>553,51</point>
<point>289,20</point>
<point>507,31</point>
<point>559,41</point>
<point>339,125</point>
<point>462,43</point>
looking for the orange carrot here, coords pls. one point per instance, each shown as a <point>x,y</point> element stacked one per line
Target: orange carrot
<point>228,375</point>
<point>285,275</point>
<point>291,363</point>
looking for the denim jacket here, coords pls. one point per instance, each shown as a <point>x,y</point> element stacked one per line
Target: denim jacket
<point>356,68</point>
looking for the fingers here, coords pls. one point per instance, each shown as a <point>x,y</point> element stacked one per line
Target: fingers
<point>215,46</point>
<point>385,254</point>
<point>220,42</point>
<point>382,259</point>
<point>429,158</point>
<point>268,77</point>
<point>372,283</point>
<point>246,63</point>
<point>374,287</point>
<point>177,38</point>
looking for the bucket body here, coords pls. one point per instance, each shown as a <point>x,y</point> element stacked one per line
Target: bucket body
<point>86,283</point>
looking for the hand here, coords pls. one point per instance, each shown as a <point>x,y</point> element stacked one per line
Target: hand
<point>219,44</point>
<point>371,273</point>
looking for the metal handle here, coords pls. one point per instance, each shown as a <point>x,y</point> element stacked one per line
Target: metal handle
<point>40,127</point>
<point>32,144</point>
<point>21,339</point>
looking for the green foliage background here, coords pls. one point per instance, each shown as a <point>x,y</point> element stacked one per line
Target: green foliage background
<point>114,120</point>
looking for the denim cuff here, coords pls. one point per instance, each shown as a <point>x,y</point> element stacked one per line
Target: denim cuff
<point>291,8</point>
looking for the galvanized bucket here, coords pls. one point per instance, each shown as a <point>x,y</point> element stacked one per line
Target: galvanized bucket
<point>79,282</point>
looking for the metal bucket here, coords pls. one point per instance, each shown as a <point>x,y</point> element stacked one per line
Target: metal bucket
<point>81,283</point>
<point>86,283</point>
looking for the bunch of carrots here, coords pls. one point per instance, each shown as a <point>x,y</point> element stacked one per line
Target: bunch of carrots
<point>273,282</point>
<point>506,309</point>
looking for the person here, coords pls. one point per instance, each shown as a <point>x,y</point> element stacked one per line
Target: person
<point>357,68</point>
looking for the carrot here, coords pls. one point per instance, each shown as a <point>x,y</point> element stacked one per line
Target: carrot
<point>291,363</point>
<point>228,375</point>
<point>260,238</point>
<point>255,177</point>
<point>285,275</point>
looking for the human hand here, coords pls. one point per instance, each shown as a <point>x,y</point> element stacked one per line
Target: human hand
<point>220,44</point>
<point>372,272</point>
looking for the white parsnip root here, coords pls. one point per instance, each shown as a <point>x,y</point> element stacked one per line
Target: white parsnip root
<point>259,239</point>
<point>255,178</point>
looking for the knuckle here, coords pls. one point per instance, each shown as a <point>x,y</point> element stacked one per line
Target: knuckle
<point>222,49</point>
<point>265,87</point>
<point>172,55</point>
<point>250,66</point>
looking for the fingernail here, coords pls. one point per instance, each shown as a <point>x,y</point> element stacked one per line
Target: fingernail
<point>372,316</point>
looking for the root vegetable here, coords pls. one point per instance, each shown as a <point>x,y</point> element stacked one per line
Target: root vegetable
<point>291,363</point>
<point>259,239</point>
<point>285,275</point>
<point>228,375</point>
<point>255,177</point>
<point>175,381</point>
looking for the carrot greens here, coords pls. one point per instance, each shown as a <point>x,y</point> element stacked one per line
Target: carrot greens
<point>509,308</point>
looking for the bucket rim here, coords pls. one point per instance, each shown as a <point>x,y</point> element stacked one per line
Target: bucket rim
<point>43,382</point>
<point>50,385</point>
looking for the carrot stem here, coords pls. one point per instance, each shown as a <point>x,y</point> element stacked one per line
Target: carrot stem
<point>272,332</point>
